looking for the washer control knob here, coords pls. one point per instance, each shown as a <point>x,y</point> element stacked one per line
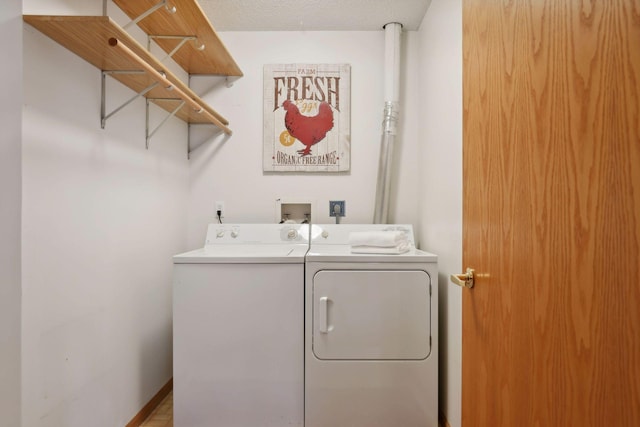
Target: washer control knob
<point>325,234</point>
<point>292,234</point>
<point>219,234</point>
<point>234,233</point>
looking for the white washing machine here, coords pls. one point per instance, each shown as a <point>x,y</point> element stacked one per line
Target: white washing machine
<point>238,328</point>
<point>371,357</point>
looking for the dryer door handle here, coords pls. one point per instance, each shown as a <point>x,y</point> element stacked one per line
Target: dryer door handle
<point>323,315</point>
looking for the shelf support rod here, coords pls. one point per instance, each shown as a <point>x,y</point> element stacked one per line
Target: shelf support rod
<point>166,82</point>
<point>103,102</point>
<point>189,126</point>
<point>183,40</point>
<point>171,9</point>
<point>173,113</point>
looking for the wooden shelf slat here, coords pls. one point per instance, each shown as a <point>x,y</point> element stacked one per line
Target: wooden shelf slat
<point>188,20</point>
<point>88,37</point>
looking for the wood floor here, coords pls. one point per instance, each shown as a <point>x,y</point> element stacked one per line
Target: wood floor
<point>162,416</point>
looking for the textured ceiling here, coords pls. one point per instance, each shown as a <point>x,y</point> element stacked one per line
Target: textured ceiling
<point>313,15</point>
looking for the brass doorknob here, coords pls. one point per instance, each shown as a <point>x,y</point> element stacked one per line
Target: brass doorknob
<point>465,280</point>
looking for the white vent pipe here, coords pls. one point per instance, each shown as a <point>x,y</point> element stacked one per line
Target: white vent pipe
<point>393,32</point>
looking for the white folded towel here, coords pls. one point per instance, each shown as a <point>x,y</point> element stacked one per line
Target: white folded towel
<point>400,248</point>
<point>383,239</point>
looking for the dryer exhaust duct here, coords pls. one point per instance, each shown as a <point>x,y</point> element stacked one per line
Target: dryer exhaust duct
<point>393,32</point>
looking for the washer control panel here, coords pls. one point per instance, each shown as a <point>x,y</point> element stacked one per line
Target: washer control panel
<point>257,233</point>
<point>224,233</point>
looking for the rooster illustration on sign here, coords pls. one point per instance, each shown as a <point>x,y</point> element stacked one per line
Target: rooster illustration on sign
<point>307,129</point>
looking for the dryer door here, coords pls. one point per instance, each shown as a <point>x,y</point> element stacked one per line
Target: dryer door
<point>371,315</point>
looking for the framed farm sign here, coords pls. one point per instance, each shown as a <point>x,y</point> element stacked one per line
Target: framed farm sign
<point>307,118</point>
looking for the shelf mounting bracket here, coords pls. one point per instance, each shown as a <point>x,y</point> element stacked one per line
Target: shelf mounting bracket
<point>148,134</point>
<point>103,101</point>
<point>183,40</point>
<point>165,3</point>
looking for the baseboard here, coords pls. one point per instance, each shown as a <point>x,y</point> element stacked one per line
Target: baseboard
<point>442,420</point>
<point>151,405</point>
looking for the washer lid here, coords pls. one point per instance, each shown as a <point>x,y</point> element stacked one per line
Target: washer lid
<point>244,254</point>
<point>250,243</point>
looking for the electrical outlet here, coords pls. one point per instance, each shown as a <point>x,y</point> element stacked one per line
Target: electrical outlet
<point>220,206</point>
<point>336,208</point>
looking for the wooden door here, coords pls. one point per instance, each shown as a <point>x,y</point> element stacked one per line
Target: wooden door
<point>551,331</point>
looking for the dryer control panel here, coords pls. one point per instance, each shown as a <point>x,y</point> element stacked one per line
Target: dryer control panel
<point>338,234</point>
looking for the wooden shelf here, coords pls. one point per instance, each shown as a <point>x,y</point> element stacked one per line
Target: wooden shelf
<point>188,20</point>
<point>88,37</point>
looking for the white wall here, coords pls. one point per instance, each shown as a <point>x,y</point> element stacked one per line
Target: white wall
<point>230,169</point>
<point>102,217</point>
<point>441,181</point>
<point>10,189</point>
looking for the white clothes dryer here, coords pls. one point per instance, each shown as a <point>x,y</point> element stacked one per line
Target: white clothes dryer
<point>371,356</point>
<point>238,328</point>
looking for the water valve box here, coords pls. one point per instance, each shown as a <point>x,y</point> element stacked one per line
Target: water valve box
<point>296,210</point>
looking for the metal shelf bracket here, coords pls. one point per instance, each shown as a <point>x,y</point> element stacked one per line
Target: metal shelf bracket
<point>103,101</point>
<point>165,3</point>
<point>183,40</point>
<point>148,134</point>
